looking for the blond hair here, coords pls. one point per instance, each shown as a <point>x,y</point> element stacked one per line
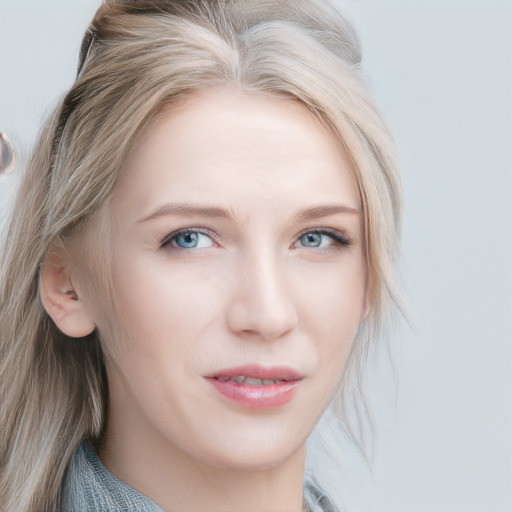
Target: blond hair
<point>136,58</point>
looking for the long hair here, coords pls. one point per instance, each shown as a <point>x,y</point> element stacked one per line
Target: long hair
<point>137,57</point>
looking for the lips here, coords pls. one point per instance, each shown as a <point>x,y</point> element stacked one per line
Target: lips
<point>256,386</point>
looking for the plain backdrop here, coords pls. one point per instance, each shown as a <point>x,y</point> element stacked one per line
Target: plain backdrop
<point>441,72</point>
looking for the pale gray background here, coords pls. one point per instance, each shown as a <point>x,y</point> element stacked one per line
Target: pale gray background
<point>441,72</point>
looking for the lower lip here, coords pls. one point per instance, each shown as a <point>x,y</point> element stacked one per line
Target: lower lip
<point>256,397</point>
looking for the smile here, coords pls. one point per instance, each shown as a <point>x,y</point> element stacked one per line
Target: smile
<point>257,387</point>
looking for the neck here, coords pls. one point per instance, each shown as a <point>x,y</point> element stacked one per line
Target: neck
<point>179,483</point>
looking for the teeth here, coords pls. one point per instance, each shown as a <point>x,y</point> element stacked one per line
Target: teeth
<point>249,380</point>
<point>260,382</point>
<point>253,382</point>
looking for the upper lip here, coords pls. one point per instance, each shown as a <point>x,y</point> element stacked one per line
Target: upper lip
<point>255,371</point>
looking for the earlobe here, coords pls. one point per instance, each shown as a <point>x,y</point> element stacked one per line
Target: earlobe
<point>61,300</point>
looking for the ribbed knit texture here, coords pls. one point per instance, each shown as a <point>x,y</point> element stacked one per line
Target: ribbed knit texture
<point>90,487</point>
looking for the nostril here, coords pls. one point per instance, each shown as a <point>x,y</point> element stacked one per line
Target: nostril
<point>6,154</point>
<point>255,320</point>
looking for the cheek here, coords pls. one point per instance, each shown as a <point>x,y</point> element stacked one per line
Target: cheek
<point>333,304</point>
<point>335,290</point>
<point>163,308</point>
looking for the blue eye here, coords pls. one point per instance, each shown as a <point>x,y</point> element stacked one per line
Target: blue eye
<point>188,239</point>
<point>321,240</point>
<point>311,239</point>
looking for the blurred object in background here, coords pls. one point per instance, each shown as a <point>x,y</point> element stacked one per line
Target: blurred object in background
<point>7,155</point>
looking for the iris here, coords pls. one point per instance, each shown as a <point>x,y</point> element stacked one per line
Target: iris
<point>192,240</point>
<point>311,239</point>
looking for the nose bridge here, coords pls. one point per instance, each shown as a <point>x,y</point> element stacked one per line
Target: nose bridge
<point>263,302</point>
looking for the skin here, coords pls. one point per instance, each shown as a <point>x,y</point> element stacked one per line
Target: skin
<point>255,290</point>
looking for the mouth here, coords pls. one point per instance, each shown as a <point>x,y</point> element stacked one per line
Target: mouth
<point>258,374</point>
<point>250,380</point>
<point>257,387</point>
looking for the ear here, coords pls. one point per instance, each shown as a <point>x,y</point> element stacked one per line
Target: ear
<point>61,299</point>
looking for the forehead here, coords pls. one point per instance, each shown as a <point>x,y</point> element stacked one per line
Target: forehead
<point>236,147</point>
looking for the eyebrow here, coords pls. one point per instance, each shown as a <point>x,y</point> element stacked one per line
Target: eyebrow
<point>215,212</point>
<point>186,210</point>
<point>324,211</point>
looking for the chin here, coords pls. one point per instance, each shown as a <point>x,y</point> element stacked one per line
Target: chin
<point>246,452</point>
<point>254,460</point>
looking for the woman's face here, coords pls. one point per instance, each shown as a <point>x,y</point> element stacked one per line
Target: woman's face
<point>237,254</point>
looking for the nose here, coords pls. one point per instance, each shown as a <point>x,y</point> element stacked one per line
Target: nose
<point>262,305</point>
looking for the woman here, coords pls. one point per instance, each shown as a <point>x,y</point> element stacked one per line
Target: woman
<point>199,259</point>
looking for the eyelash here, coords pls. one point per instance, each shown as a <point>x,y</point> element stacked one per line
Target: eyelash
<point>167,241</point>
<point>339,239</point>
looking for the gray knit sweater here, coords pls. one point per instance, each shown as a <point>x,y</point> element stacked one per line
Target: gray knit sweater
<point>89,487</point>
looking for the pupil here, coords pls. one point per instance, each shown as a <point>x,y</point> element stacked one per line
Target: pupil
<point>187,239</point>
